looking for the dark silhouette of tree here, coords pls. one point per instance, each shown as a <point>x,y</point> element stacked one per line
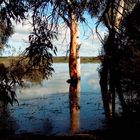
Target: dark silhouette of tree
<point>119,48</point>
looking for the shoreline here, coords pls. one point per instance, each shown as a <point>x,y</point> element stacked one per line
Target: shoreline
<point>8,60</point>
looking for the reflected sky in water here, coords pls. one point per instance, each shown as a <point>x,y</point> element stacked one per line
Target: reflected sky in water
<point>44,108</point>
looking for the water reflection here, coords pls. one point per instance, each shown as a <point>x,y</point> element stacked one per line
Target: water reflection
<point>74,101</point>
<point>36,77</point>
<point>55,107</point>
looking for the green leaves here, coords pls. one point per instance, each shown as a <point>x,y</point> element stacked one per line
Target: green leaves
<point>41,47</point>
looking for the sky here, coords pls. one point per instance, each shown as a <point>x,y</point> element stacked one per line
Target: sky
<point>90,44</point>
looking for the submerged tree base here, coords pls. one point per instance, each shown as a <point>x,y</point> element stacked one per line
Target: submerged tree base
<point>70,81</point>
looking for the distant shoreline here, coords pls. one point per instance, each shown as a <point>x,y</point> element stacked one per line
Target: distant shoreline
<point>7,60</point>
<point>64,59</point>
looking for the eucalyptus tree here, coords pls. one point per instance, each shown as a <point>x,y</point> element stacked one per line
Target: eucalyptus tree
<point>71,12</point>
<point>44,22</point>
<point>51,13</point>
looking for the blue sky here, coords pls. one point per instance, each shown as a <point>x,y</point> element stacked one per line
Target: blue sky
<point>90,44</point>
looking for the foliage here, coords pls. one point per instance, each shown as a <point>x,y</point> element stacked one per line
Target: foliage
<point>39,51</point>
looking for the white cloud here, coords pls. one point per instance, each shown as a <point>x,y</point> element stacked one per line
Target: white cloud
<point>18,37</point>
<point>90,44</point>
<point>63,40</point>
<point>21,32</point>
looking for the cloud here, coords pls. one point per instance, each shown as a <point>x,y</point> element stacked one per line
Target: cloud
<point>90,44</point>
<point>18,37</point>
<point>63,40</point>
<point>21,32</point>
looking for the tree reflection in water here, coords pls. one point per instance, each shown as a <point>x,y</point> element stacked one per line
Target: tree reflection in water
<point>74,102</point>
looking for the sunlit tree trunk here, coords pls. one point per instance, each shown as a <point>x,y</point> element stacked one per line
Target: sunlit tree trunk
<point>74,55</point>
<point>73,46</point>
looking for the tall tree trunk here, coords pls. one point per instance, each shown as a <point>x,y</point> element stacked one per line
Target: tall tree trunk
<point>73,46</point>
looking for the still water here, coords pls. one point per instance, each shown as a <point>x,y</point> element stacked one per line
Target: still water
<point>45,107</point>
